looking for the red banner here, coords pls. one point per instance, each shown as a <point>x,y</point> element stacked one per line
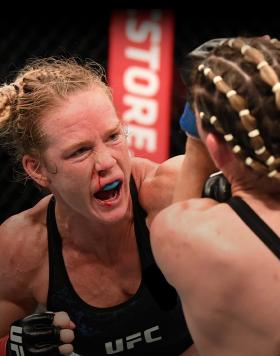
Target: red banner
<point>140,72</point>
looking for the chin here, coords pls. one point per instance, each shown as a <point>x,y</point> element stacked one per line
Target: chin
<point>113,216</point>
<point>112,211</point>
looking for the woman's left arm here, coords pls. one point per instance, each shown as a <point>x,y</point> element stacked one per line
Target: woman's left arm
<point>195,170</point>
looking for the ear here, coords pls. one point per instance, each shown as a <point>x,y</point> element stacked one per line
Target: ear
<point>32,167</point>
<point>219,151</point>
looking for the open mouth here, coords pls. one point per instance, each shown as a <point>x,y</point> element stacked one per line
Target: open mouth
<point>109,191</point>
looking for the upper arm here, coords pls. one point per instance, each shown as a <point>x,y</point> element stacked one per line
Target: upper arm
<point>15,294</point>
<point>157,184</point>
<point>11,311</point>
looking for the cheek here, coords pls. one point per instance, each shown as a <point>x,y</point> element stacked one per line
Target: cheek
<point>75,174</point>
<point>126,159</point>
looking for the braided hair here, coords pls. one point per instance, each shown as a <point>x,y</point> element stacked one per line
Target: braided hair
<point>236,89</point>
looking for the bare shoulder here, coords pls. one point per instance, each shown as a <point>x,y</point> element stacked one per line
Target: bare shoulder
<point>142,168</point>
<point>18,224</point>
<point>155,182</point>
<point>185,217</point>
<point>146,170</point>
<point>198,228</point>
<point>23,237</point>
<point>192,236</point>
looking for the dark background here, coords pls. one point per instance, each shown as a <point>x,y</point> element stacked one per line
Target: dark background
<point>29,36</point>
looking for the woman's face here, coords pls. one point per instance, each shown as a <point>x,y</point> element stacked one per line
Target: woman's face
<point>87,161</point>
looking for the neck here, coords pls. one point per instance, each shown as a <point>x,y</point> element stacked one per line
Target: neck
<point>104,242</point>
<point>252,187</point>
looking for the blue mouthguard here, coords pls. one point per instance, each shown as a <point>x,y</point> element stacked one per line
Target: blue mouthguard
<point>111,185</point>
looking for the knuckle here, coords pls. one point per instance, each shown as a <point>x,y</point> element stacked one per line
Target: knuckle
<point>66,335</point>
<point>66,349</point>
<point>61,319</point>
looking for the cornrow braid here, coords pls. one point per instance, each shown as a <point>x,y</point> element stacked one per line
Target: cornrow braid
<point>255,56</point>
<point>249,122</point>
<point>236,148</point>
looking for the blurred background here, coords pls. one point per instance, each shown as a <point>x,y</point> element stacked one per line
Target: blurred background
<point>37,36</point>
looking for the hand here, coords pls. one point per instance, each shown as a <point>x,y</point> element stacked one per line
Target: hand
<point>42,334</point>
<point>217,187</point>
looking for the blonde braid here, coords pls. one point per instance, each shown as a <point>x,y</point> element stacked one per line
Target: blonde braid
<point>255,56</point>
<point>8,95</point>
<point>268,161</point>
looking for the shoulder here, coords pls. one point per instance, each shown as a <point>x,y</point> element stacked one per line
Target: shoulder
<point>18,224</point>
<point>23,238</point>
<point>142,168</point>
<point>194,231</point>
<point>145,169</point>
<point>189,215</point>
<point>201,222</point>
<point>155,181</point>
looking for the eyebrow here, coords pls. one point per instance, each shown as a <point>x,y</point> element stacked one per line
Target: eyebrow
<point>113,129</point>
<point>75,145</point>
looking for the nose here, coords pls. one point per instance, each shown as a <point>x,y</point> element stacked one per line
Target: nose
<point>103,162</point>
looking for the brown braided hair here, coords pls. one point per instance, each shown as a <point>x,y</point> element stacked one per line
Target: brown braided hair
<point>39,87</point>
<point>236,88</point>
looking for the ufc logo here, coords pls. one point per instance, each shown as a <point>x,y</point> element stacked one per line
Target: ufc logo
<point>16,340</point>
<point>129,342</point>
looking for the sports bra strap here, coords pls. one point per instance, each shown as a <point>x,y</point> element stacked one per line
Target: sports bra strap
<point>256,224</point>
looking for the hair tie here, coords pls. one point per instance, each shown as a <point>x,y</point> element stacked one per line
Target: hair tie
<point>244,112</point>
<point>254,133</point>
<point>212,120</point>
<point>230,93</point>
<point>244,48</point>
<point>262,64</point>
<point>228,137</point>
<point>217,79</point>
<point>248,161</point>
<point>260,151</point>
<point>270,160</point>
<point>276,87</point>
<point>206,71</point>
<point>236,149</point>
<point>272,173</point>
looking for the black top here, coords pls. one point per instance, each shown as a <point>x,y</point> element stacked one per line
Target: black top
<point>149,323</point>
<point>256,224</point>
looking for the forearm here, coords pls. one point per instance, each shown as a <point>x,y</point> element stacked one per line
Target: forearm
<point>196,168</point>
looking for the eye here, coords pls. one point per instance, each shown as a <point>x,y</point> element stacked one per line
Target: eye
<point>115,136</point>
<point>80,152</point>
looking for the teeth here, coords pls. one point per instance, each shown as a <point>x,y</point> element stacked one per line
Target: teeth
<point>111,185</point>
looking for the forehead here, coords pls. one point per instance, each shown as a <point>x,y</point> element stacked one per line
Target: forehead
<point>82,110</point>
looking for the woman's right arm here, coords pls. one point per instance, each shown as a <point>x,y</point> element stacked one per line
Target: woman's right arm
<point>15,292</point>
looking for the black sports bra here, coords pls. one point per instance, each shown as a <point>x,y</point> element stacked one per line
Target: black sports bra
<point>149,323</point>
